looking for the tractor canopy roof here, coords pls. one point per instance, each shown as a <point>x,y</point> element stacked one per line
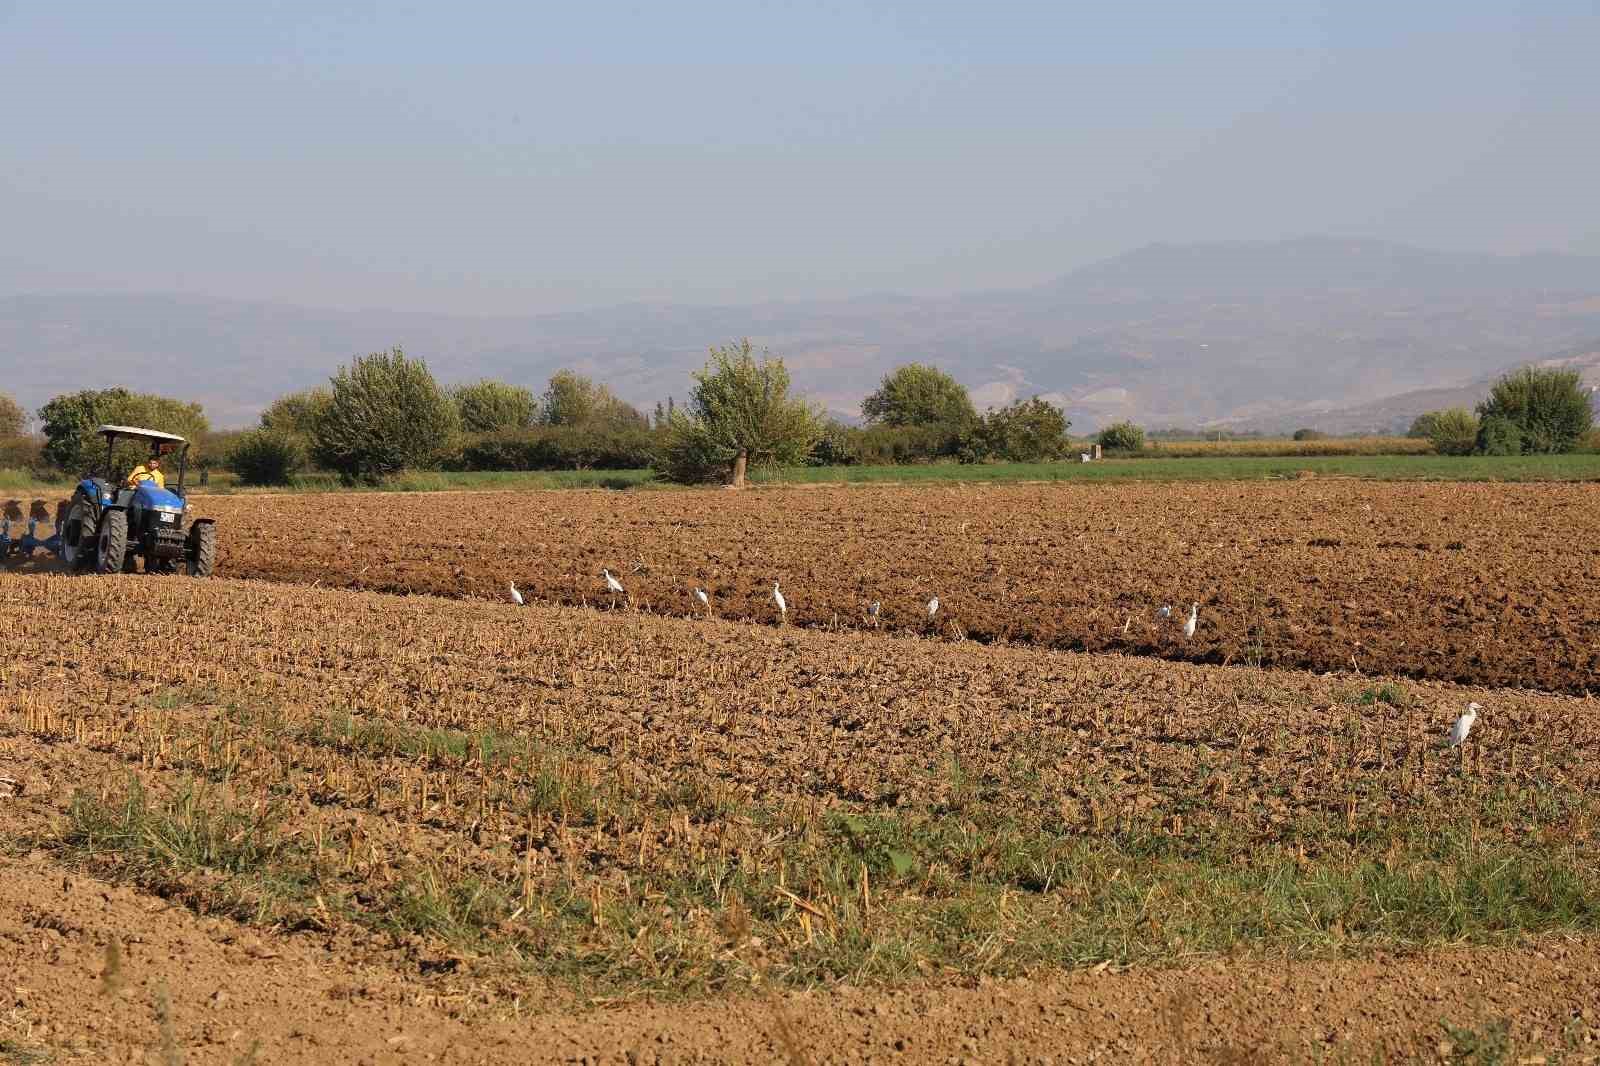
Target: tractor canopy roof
<point>140,434</point>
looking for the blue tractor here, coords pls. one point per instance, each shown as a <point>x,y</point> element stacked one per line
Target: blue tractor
<point>108,526</point>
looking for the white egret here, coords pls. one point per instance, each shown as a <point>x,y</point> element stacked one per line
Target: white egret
<point>614,585</point>
<point>516,597</point>
<point>705,600</point>
<point>1463,726</point>
<point>783,604</point>
<point>933,607</point>
<point>1194,618</point>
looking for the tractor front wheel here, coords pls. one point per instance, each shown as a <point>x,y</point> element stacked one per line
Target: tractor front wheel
<point>113,546</point>
<point>202,554</point>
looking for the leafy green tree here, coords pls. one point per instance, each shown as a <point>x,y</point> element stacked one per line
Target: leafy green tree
<point>69,421</point>
<point>13,419</point>
<point>1028,431</point>
<point>1499,436</point>
<point>1548,405</point>
<point>1453,431</point>
<point>1310,434</point>
<point>387,414</point>
<point>839,445</point>
<point>1122,437</point>
<point>266,457</point>
<point>919,395</point>
<point>298,412</point>
<point>1422,426</point>
<point>739,412</point>
<point>493,406</point>
<point>574,400</point>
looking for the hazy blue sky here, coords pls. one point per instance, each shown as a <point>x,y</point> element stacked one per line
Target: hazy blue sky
<point>511,157</point>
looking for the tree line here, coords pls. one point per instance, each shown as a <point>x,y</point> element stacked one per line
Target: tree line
<point>385,413</point>
<point>1529,411</point>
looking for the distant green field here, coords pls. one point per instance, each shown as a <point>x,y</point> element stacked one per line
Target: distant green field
<point>1585,467</point>
<point>1378,467</point>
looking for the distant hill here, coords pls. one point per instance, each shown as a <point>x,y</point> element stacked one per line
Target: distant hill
<point>1224,333</point>
<point>1394,414</point>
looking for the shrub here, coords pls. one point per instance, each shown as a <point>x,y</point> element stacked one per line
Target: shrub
<point>574,400</point>
<point>298,412</point>
<point>1308,434</point>
<point>838,446</point>
<point>1499,436</point>
<point>739,407</point>
<point>492,406</point>
<point>1122,437</point>
<point>69,422</point>
<point>1453,431</point>
<point>881,445</point>
<point>919,395</point>
<point>387,414</point>
<point>18,452</point>
<point>13,419</point>
<point>1028,431</point>
<point>559,448</point>
<point>266,457</point>
<point>1422,426</point>
<point>1548,405</point>
<point>911,444</point>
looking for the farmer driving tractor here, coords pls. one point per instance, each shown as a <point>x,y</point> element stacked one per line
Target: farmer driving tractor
<point>149,470</point>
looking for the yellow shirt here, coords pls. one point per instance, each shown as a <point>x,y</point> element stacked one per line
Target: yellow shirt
<point>143,473</point>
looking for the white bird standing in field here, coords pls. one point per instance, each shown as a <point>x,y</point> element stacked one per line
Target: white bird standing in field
<point>872,612</point>
<point>705,600</point>
<point>614,585</point>
<point>933,607</point>
<point>783,604</point>
<point>1463,726</point>
<point>1193,620</point>
<point>516,597</point>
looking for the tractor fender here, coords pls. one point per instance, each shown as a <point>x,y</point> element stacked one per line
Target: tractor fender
<point>202,522</point>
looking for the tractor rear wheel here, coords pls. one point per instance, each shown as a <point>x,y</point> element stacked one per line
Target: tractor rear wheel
<point>113,546</point>
<point>77,548</point>
<point>202,554</point>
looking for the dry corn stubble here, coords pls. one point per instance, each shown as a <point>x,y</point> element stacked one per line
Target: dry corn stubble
<point>634,803</point>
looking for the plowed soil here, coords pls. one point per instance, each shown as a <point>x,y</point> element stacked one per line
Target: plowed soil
<point>297,1001</point>
<point>1476,583</point>
<point>606,768</point>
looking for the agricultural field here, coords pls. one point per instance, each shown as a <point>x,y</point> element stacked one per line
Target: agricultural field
<point>257,820</point>
<point>1477,583</point>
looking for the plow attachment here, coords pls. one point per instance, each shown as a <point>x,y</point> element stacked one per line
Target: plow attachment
<point>30,541</point>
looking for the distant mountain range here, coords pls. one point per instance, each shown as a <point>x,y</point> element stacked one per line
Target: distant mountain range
<point>1315,332</point>
<point>1394,414</point>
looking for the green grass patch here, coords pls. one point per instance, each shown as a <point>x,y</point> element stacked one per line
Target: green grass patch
<point>875,897</point>
<point>26,481</point>
<point>253,868</point>
<point>1577,467</point>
